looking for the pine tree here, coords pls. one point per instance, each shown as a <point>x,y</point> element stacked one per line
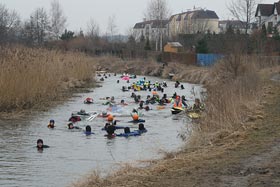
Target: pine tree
<point>202,46</point>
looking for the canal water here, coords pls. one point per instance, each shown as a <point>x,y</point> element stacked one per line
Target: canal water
<point>72,154</point>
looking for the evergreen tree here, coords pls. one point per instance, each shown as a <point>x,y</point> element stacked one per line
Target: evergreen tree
<point>201,46</point>
<point>67,35</point>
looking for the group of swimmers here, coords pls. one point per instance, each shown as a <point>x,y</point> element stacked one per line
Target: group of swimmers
<point>110,127</point>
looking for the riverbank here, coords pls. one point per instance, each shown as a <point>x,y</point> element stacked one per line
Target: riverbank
<point>243,158</point>
<point>222,152</point>
<point>39,78</point>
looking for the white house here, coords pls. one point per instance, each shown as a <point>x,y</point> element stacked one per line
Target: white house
<point>268,15</point>
<point>150,29</point>
<point>236,25</point>
<point>194,21</point>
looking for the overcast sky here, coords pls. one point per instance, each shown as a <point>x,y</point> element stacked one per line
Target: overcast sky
<point>126,12</point>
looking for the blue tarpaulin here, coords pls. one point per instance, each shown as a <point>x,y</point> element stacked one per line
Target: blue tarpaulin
<point>208,59</point>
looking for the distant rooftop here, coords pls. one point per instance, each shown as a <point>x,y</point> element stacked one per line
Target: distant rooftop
<point>175,44</point>
<point>154,24</point>
<point>196,14</point>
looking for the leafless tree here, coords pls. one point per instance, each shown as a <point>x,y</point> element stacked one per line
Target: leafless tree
<point>39,25</point>
<point>57,19</point>
<point>112,27</point>
<point>243,10</point>
<point>93,29</point>
<point>157,10</point>
<point>9,23</point>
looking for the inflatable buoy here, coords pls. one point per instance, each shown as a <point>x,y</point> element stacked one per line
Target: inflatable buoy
<point>88,100</point>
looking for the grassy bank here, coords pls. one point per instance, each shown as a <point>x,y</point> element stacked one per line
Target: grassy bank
<point>33,77</point>
<point>234,88</point>
<point>235,109</point>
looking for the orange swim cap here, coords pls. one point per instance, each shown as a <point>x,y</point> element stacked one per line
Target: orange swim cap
<point>110,117</point>
<point>135,117</point>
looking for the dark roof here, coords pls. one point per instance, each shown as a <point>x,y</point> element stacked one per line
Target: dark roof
<point>154,23</point>
<point>159,23</point>
<point>234,23</point>
<point>179,17</point>
<point>197,14</point>
<point>187,15</point>
<point>277,6</point>
<point>171,17</point>
<point>265,9</point>
<point>204,14</point>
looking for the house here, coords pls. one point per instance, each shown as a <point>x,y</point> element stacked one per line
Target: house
<point>150,29</point>
<point>194,21</point>
<point>173,47</point>
<point>236,25</point>
<point>268,15</point>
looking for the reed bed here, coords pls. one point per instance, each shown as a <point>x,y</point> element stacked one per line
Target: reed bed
<point>30,77</point>
<point>234,92</point>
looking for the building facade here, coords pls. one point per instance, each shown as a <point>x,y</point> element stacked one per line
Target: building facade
<point>191,22</point>
<point>236,25</point>
<point>150,29</point>
<point>268,15</point>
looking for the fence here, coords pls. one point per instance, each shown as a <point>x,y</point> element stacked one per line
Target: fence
<point>207,59</point>
<point>183,58</point>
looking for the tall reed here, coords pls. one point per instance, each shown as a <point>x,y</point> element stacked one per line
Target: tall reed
<point>31,77</point>
<point>233,94</point>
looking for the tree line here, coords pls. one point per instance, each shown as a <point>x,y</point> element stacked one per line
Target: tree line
<point>48,29</point>
<point>39,28</point>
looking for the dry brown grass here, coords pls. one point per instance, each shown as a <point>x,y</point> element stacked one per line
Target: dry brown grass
<point>31,77</point>
<point>137,66</point>
<point>234,89</point>
<point>234,95</point>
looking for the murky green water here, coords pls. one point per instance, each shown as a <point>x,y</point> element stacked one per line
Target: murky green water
<point>71,153</point>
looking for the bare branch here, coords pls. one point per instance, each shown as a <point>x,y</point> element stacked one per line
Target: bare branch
<point>243,10</point>
<point>57,19</point>
<point>93,29</point>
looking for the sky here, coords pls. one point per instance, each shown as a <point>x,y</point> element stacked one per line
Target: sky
<point>125,12</point>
